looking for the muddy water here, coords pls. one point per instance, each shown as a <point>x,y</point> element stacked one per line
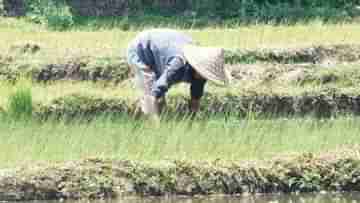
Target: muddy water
<point>308,198</point>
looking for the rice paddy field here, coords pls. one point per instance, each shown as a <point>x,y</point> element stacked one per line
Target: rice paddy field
<point>112,42</point>
<point>68,96</point>
<point>220,136</point>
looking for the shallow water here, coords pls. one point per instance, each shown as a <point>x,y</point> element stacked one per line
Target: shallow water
<point>307,198</point>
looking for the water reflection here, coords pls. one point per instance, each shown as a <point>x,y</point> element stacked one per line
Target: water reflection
<point>308,198</point>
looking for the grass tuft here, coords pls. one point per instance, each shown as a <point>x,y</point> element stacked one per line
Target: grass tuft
<point>20,104</point>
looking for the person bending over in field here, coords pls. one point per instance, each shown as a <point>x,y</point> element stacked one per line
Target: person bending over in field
<point>163,57</point>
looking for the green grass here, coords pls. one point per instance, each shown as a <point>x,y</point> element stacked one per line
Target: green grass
<point>214,138</point>
<point>20,102</point>
<point>60,15</point>
<point>113,42</point>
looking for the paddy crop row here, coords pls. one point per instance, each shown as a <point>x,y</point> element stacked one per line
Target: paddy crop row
<point>207,139</point>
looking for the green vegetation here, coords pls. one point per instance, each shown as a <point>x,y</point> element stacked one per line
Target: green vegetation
<point>68,95</point>
<point>207,139</point>
<point>60,15</point>
<point>53,14</point>
<point>279,14</point>
<point>20,102</point>
<point>88,114</point>
<point>111,43</point>
<point>82,95</point>
<point>108,178</point>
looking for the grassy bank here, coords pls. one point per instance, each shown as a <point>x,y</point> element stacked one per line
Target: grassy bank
<point>97,178</point>
<point>318,64</point>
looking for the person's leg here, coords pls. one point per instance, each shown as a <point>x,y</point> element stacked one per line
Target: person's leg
<point>144,80</point>
<point>148,103</point>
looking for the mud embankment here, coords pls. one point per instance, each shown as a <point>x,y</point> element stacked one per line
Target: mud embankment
<point>75,69</point>
<point>20,62</point>
<point>97,178</point>
<point>314,54</point>
<point>323,103</point>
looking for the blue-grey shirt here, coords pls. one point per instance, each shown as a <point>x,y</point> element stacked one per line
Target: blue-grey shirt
<point>161,50</point>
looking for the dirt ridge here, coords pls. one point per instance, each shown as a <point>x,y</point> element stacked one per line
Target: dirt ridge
<point>91,68</point>
<point>322,104</point>
<point>95,178</point>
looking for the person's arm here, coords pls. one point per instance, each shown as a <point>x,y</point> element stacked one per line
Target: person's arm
<point>162,85</point>
<point>197,90</point>
<point>170,75</point>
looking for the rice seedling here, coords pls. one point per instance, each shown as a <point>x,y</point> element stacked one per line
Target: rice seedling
<point>209,139</point>
<point>20,105</point>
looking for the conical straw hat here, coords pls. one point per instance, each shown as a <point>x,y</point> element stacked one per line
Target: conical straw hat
<point>208,62</point>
